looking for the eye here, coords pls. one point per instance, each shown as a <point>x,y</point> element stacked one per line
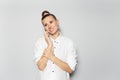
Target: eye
<point>45,25</point>
<point>51,21</point>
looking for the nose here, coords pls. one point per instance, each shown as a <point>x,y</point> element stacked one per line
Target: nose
<point>49,26</point>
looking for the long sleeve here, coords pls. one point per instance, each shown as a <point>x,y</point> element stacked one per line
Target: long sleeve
<point>38,50</point>
<point>72,55</point>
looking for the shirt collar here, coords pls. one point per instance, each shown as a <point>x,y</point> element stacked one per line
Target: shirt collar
<point>58,38</point>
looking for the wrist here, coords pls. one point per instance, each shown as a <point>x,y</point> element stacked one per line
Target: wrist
<point>52,58</point>
<point>44,56</point>
<point>49,46</point>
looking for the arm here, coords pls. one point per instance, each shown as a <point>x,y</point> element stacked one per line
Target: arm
<point>42,63</point>
<point>63,65</point>
<point>44,59</point>
<point>49,55</point>
<point>71,59</point>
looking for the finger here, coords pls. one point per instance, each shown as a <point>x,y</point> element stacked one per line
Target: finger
<point>47,34</point>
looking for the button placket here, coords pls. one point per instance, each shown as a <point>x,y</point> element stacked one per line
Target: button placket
<point>55,42</point>
<point>53,67</point>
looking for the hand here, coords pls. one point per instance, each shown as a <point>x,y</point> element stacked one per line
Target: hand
<point>49,42</point>
<point>49,52</point>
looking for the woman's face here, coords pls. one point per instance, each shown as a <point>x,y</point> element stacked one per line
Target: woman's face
<point>50,25</point>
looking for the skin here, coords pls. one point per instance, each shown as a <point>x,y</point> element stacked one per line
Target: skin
<point>51,30</point>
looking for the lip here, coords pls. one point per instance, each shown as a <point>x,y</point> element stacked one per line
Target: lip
<point>51,30</point>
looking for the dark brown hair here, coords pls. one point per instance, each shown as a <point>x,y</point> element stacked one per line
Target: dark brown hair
<point>46,14</point>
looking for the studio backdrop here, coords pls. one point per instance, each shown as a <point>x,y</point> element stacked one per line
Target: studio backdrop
<point>94,26</point>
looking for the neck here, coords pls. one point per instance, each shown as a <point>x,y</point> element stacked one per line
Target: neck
<point>54,36</point>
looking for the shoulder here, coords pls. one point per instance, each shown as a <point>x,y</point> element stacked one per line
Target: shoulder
<point>67,40</point>
<point>40,40</point>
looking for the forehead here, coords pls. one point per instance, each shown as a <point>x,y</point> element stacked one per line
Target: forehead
<point>48,18</point>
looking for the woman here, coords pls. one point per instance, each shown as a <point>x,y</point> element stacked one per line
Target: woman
<point>55,54</point>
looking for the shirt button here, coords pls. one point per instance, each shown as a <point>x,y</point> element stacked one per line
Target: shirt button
<point>55,42</point>
<point>54,47</point>
<point>52,71</point>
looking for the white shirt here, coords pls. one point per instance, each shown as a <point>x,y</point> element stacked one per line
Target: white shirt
<point>64,49</point>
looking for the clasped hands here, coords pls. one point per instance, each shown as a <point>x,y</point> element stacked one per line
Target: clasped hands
<point>49,51</point>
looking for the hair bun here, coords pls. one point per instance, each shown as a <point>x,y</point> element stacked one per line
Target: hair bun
<point>45,13</point>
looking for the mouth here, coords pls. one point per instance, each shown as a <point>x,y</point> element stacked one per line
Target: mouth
<point>51,30</point>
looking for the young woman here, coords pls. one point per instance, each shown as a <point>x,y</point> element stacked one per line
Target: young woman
<point>55,54</point>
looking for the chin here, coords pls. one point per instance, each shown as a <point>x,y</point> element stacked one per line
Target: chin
<point>52,33</point>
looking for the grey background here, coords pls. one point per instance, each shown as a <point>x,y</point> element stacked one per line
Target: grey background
<point>94,25</point>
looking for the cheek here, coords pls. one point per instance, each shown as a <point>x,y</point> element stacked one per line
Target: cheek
<point>56,25</point>
<point>56,28</point>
